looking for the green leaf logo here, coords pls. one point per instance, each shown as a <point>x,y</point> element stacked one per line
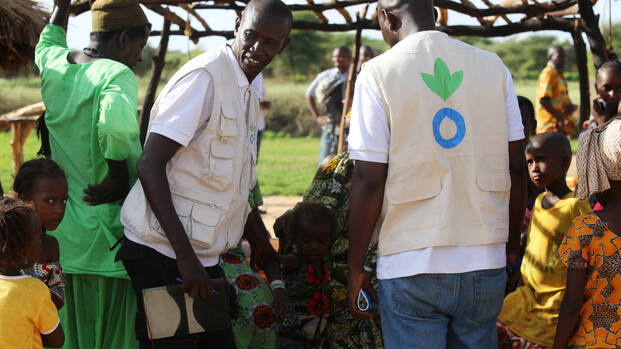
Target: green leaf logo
<point>442,82</point>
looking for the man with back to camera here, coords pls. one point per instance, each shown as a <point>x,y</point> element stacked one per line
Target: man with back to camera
<point>437,140</point>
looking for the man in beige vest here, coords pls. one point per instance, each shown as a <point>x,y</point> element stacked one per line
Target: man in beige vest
<point>437,139</point>
<point>197,169</point>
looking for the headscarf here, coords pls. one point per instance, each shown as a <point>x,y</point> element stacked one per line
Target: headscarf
<point>117,14</point>
<point>599,158</point>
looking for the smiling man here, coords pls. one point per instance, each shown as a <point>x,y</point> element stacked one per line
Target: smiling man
<point>198,167</point>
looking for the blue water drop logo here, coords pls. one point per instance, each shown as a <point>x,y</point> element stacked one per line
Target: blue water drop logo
<point>456,117</point>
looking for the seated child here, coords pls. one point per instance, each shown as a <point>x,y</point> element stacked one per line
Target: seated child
<point>529,314</point>
<point>306,276</point>
<point>608,87</point>
<point>590,314</point>
<point>28,318</point>
<point>42,183</point>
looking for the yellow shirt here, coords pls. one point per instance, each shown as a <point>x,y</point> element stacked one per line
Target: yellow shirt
<point>531,311</point>
<point>26,312</point>
<point>552,84</point>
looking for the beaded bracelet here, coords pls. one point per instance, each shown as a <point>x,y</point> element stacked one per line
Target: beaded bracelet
<point>277,284</point>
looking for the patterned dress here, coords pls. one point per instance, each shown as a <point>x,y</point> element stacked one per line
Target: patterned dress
<point>592,246</point>
<point>552,84</point>
<point>331,187</point>
<point>52,276</point>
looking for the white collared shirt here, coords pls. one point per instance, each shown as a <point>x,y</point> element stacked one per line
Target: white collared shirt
<point>184,112</point>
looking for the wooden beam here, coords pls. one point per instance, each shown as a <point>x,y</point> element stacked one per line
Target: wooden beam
<point>196,15</point>
<point>594,35</point>
<point>583,72</point>
<point>157,66</point>
<point>173,18</point>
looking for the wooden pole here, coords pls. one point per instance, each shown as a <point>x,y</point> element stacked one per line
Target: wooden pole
<point>157,65</point>
<point>351,79</point>
<point>594,35</point>
<point>583,72</point>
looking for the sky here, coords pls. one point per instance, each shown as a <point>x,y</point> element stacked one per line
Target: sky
<point>80,26</point>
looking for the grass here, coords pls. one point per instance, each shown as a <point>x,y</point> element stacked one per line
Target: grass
<point>6,156</point>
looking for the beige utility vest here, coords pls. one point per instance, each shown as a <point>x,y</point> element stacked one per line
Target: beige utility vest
<point>210,179</point>
<point>448,170</point>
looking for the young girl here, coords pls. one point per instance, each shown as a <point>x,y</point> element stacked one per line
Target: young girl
<point>28,318</point>
<point>306,276</point>
<point>590,314</point>
<point>43,183</point>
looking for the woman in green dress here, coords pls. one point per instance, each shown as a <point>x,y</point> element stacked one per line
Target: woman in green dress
<point>91,101</point>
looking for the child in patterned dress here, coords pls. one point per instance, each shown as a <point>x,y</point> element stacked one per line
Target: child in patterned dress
<point>306,277</point>
<point>42,183</point>
<point>590,314</point>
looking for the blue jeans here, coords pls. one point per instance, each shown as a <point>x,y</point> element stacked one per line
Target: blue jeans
<point>442,310</point>
<point>328,142</point>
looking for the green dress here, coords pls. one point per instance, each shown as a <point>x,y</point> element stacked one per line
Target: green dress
<point>91,116</point>
<point>255,325</point>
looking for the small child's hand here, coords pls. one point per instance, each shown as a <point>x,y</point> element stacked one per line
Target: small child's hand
<point>281,302</point>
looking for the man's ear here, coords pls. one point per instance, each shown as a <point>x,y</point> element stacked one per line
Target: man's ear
<point>394,21</point>
<point>237,23</point>
<point>285,44</point>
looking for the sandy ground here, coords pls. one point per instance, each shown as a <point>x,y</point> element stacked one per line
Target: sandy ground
<point>275,206</point>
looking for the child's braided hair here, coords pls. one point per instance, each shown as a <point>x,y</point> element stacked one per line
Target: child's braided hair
<point>31,171</point>
<point>15,218</point>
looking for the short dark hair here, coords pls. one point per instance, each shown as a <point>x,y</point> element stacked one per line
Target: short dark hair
<point>310,211</point>
<point>134,33</point>
<point>557,142</point>
<point>32,171</point>
<point>14,222</point>
<point>612,64</point>
<point>344,49</point>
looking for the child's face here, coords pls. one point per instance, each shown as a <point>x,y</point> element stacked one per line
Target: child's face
<point>544,167</point>
<point>608,86</point>
<point>49,198</point>
<point>33,245</point>
<point>313,243</point>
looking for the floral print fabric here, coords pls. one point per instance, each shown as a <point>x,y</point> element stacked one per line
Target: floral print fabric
<point>592,246</point>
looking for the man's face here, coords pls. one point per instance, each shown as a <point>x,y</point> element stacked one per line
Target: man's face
<point>558,58</point>
<point>341,59</point>
<point>259,37</point>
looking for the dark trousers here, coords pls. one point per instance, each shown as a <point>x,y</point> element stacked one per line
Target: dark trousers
<point>148,268</point>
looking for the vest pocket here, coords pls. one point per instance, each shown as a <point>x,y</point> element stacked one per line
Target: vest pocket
<point>221,163</point>
<point>183,208</point>
<point>228,122</point>
<point>419,189</point>
<point>204,221</point>
<point>494,203</point>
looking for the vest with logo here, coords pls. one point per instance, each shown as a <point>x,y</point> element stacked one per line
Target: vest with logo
<point>211,177</point>
<point>448,170</point>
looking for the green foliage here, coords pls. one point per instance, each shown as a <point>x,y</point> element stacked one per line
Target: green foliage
<point>443,83</point>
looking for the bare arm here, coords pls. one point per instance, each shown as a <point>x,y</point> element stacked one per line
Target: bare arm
<point>366,197</point>
<point>312,106</point>
<point>259,239</point>
<point>60,14</point>
<point>546,103</point>
<point>569,313</point>
<point>289,261</point>
<point>517,200</point>
<point>151,167</point>
<point>55,339</point>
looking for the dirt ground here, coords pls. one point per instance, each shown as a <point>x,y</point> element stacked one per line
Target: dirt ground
<point>274,207</point>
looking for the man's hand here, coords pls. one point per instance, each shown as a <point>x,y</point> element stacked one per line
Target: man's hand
<point>357,280</point>
<point>259,240</point>
<point>322,120</point>
<point>259,252</point>
<point>195,278</point>
<point>570,109</point>
<point>112,189</point>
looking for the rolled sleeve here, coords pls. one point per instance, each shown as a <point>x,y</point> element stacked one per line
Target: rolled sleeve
<point>185,108</point>
<point>117,126</point>
<point>310,91</point>
<point>515,128</point>
<point>369,132</point>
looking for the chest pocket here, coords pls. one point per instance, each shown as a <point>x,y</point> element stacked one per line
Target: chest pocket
<point>223,149</point>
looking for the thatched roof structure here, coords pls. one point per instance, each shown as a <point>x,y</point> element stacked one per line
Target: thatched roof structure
<point>21,22</point>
